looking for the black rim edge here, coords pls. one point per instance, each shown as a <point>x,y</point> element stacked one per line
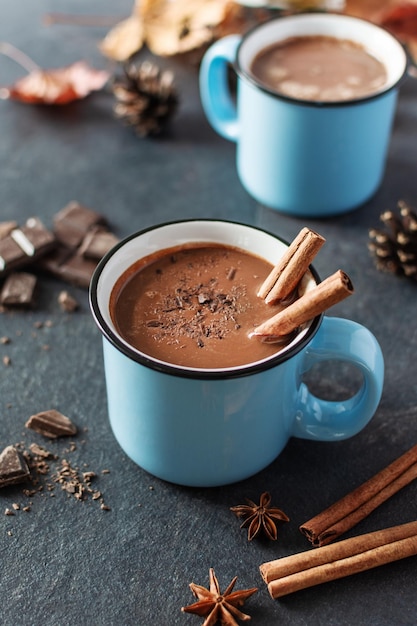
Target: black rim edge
<point>314,103</point>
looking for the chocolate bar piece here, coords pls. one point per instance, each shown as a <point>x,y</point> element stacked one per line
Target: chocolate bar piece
<point>18,290</point>
<point>96,243</point>
<point>70,267</point>
<point>23,245</point>
<point>73,222</point>
<point>33,238</point>
<point>13,467</point>
<point>51,424</point>
<point>11,254</point>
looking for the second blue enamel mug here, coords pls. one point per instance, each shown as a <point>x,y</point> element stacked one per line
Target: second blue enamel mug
<point>304,158</point>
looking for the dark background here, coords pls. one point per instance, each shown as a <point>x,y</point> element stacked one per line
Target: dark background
<point>68,562</point>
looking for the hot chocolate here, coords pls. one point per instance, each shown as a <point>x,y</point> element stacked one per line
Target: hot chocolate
<point>319,68</point>
<point>194,306</point>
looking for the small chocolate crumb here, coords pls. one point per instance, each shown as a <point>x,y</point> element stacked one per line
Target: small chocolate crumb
<point>9,512</point>
<point>67,302</point>
<point>4,340</point>
<point>40,451</point>
<point>51,424</point>
<point>231,273</point>
<point>6,360</point>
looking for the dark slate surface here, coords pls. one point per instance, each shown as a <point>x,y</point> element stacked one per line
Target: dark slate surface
<point>70,563</point>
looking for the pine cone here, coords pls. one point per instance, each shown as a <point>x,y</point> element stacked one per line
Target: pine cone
<point>146,98</point>
<point>396,250</point>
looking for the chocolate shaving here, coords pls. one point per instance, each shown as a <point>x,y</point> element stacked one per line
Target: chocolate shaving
<point>13,467</point>
<point>51,424</point>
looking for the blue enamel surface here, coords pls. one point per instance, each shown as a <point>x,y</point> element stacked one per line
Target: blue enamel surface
<point>199,432</point>
<point>300,158</point>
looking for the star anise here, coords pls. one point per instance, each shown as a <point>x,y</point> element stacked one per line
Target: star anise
<point>216,606</point>
<point>260,517</point>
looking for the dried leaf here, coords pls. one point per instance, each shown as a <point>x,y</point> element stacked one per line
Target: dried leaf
<point>124,39</point>
<point>401,20</point>
<point>181,26</point>
<point>398,17</point>
<point>57,86</point>
<point>177,27</point>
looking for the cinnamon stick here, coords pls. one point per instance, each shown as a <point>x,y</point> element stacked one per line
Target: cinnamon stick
<point>355,506</point>
<point>351,556</point>
<point>331,291</point>
<point>289,270</point>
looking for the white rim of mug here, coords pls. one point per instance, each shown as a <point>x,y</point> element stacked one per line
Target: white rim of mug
<point>241,71</point>
<point>183,371</point>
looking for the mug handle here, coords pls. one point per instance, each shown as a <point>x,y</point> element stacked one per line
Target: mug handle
<point>323,420</point>
<point>215,94</point>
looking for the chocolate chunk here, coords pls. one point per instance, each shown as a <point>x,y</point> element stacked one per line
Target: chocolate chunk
<point>33,238</point>
<point>13,467</point>
<point>51,424</point>
<point>96,243</point>
<point>73,222</point>
<point>11,254</point>
<point>69,266</point>
<point>19,290</point>
<point>77,270</point>
<point>23,245</point>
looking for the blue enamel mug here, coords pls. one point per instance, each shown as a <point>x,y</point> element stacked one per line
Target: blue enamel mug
<point>303,158</point>
<point>209,427</point>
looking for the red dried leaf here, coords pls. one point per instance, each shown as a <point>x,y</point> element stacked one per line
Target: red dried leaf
<point>401,20</point>
<point>58,86</point>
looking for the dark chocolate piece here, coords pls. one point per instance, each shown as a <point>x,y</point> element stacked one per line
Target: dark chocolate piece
<point>13,467</point>
<point>19,290</point>
<point>77,271</point>
<point>33,238</point>
<point>96,243</point>
<point>11,254</point>
<point>51,424</point>
<point>23,245</point>
<point>69,266</point>
<point>73,222</point>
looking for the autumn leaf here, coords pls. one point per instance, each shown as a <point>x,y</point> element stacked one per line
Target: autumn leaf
<point>400,18</point>
<point>170,28</point>
<point>126,38</point>
<point>57,86</point>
